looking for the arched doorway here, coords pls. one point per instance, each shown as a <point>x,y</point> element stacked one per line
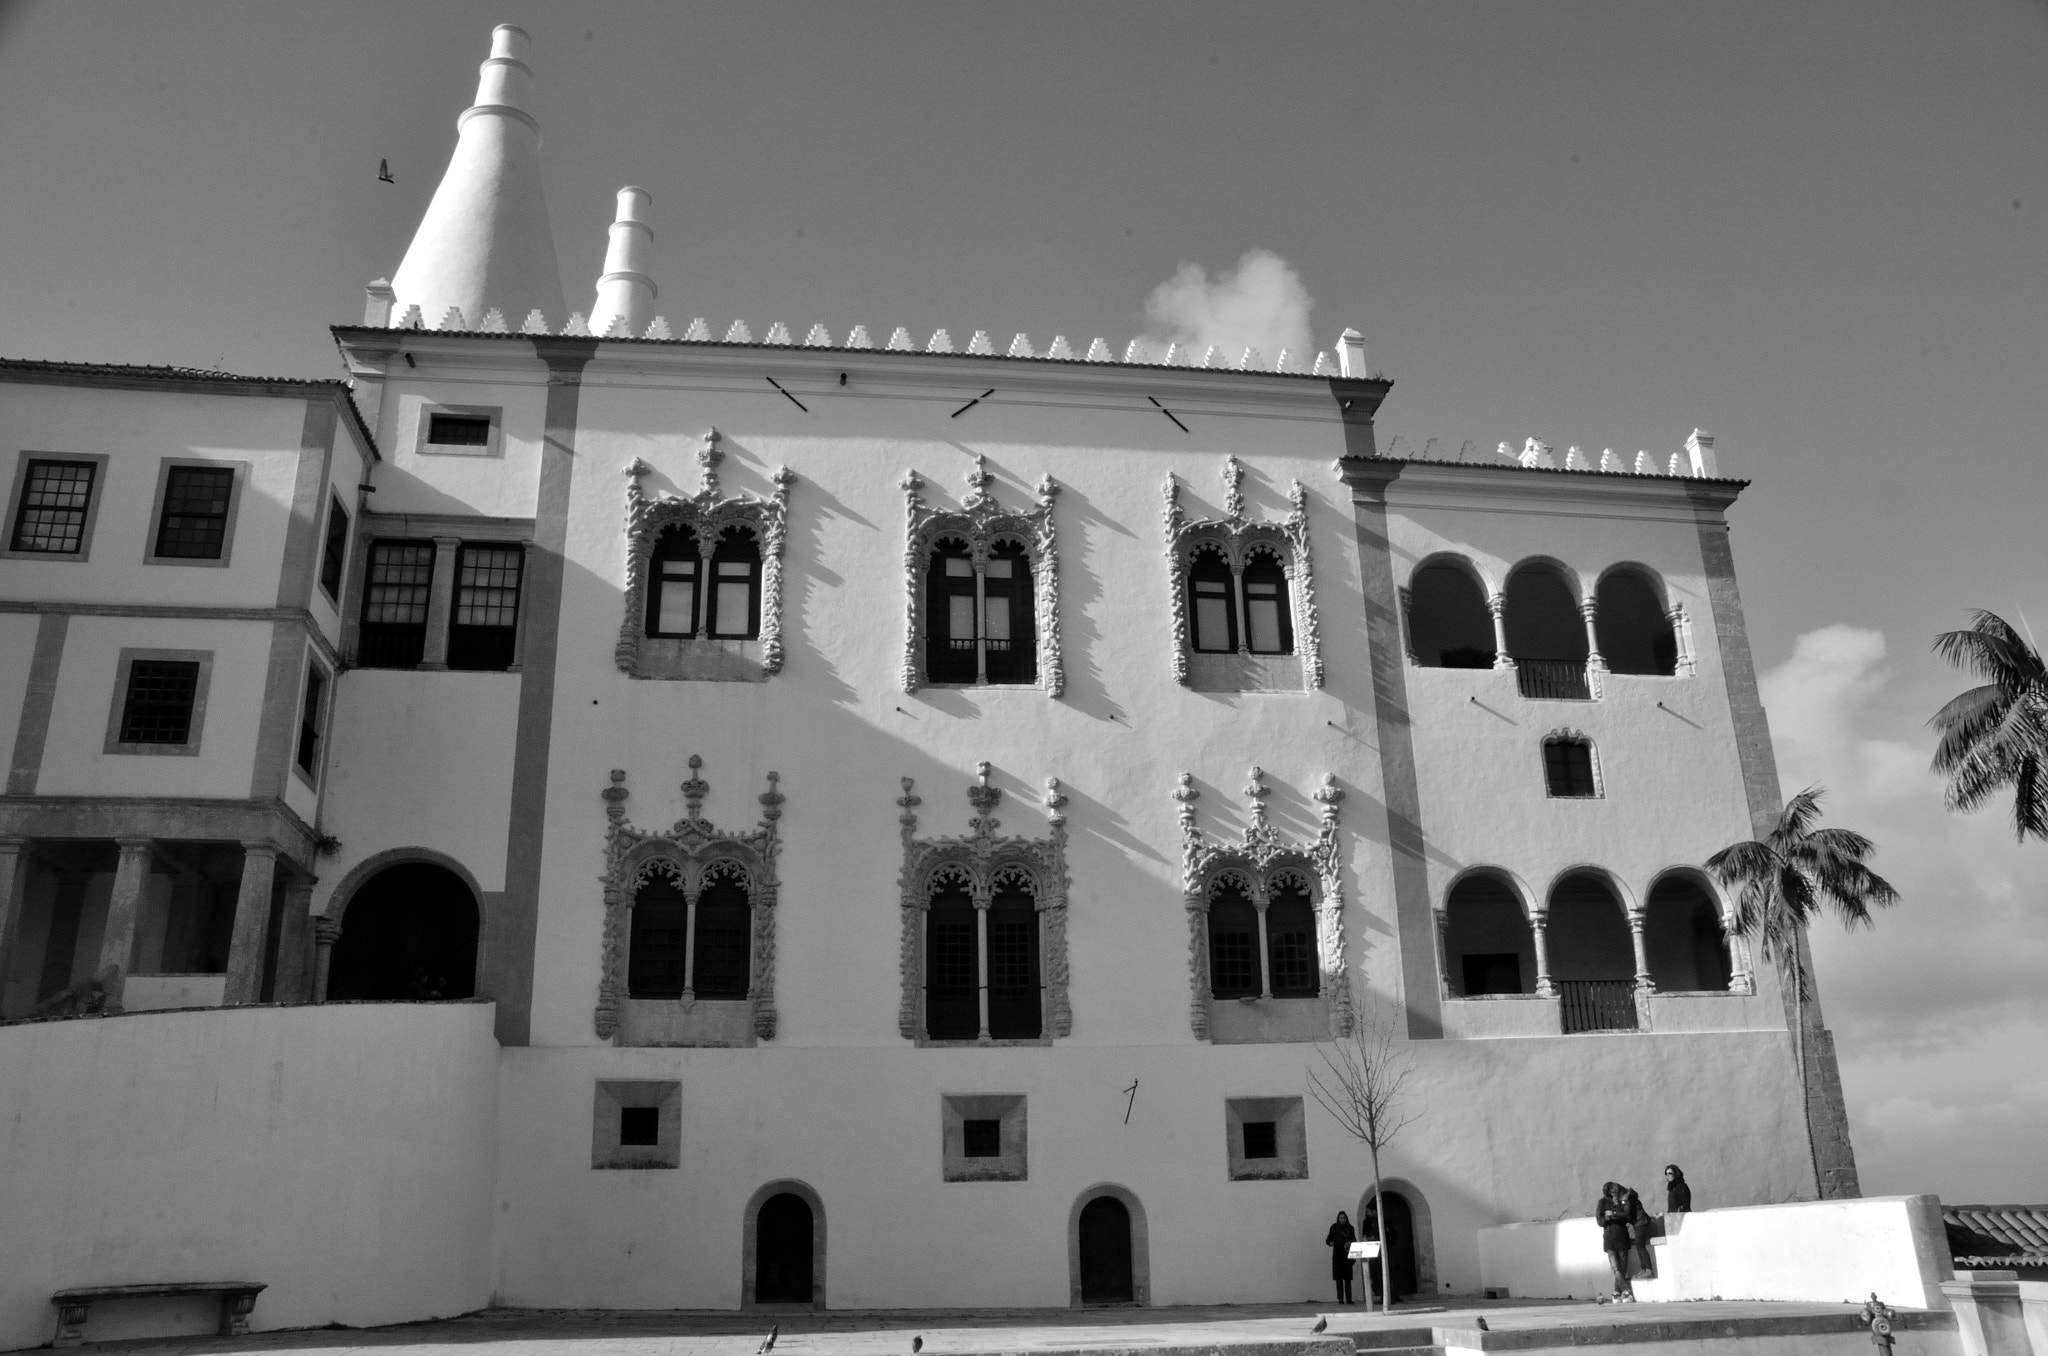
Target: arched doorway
<point>409,933</point>
<point>1409,1249</point>
<point>1107,1249</point>
<point>784,1262</point>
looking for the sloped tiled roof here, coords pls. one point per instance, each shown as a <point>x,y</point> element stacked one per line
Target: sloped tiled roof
<point>1993,1235</point>
<point>58,372</point>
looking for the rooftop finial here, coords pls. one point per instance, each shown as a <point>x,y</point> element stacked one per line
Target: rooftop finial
<point>624,289</point>
<point>485,240</point>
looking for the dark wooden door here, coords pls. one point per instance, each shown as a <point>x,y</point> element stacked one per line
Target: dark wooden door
<point>1105,1252</point>
<point>782,1251</point>
<point>1399,1244</point>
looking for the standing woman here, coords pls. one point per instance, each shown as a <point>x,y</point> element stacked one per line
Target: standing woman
<point>1677,1194</point>
<point>1611,1214</point>
<point>1340,1238</point>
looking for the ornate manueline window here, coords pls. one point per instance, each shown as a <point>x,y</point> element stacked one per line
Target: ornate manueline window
<point>689,927</point>
<point>1266,926</point>
<point>1570,768</point>
<point>703,578</point>
<point>984,927</point>
<point>1243,595</point>
<point>983,590</point>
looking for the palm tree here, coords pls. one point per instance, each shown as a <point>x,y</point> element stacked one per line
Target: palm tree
<point>1996,736</point>
<point>1783,881</point>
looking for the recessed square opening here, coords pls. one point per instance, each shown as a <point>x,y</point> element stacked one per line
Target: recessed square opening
<point>459,430</point>
<point>982,1139</point>
<point>639,1125</point>
<point>1261,1139</point>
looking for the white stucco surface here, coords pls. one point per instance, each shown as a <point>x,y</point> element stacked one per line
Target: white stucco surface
<point>1809,1250</point>
<point>17,654</point>
<point>342,1155</point>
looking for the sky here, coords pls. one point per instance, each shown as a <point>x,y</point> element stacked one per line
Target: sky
<point>1817,231</point>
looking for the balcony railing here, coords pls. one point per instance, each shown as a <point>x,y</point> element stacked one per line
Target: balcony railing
<point>1597,1005</point>
<point>1553,679</point>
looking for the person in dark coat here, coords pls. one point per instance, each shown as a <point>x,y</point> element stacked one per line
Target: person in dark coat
<point>1640,1227</point>
<point>1611,1214</point>
<point>1369,1232</point>
<point>1677,1195</point>
<point>1340,1238</point>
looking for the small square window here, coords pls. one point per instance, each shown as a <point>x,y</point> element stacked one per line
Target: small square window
<point>1265,1138</point>
<point>982,1139</point>
<point>639,1125</point>
<point>160,698</point>
<point>1261,1139</point>
<point>459,430</point>
<point>194,521</point>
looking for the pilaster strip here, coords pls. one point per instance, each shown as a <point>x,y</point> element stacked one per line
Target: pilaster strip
<point>268,771</point>
<point>34,727</point>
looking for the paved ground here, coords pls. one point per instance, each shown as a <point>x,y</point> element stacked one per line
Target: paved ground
<point>525,1332</point>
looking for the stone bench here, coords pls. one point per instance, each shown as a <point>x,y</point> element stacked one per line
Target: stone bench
<point>237,1298</point>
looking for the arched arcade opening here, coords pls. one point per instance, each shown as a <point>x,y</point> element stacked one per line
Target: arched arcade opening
<point>408,934</point>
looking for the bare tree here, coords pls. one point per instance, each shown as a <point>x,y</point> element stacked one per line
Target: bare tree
<point>1361,1084</point>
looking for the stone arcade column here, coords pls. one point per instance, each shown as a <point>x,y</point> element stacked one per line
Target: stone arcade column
<point>1636,921</point>
<point>252,924</point>
<point>1443,951</point>
<point>13,881</point>
<point>294,982</point>
<point>1497,605</point>
<point>326,931</point>
<point>983,901</point>
<point>1595,661</point>
<point>441,602</point>
<point>117,944</point>
<point>1539,929</point>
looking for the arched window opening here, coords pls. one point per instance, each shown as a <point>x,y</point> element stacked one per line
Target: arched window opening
<point>1233,939</point>
<point>1568,767</point>
<point>1009,641</point>
<point>1684,938</point>
<point>952,993</point>
<point>1269,625</point>
<point>1449,624</point>
<point>735,593</point>
<point>1592,955</point>
<point>952,654</point>
<point>408,934</point>
<point>660,939</point>
<point>674,576</point>
<point>1212,597</point>
<point>1488,946</point>
<point>1015,1011</point>
<point>1633,627</point>
<point>724,933</point>
<point>1105,1252</point>
<point>783,1273</point>
<point>1546,634</point>
<point>1291,937</point>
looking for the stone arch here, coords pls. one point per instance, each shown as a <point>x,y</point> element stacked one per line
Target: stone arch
<point>750,1256</point>
<point>1632,621</point>
<point>1488,945</point>
<point>1542,612</point>
<point>407,924</point>
<point>1140,1245</point>
<point>1589,909</point>
<point>1422,1236</point>
<point>1450,624</point>
<point>1685,934</point>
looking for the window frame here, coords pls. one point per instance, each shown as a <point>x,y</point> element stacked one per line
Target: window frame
<point>334,569</point>
<point>166,467</point>
<point>455,604</point>
<point>1597,789</point>
<point>363,623</point>
<point>316,721</point>
<point>656,588</point>
<point>1210,556</point>
<point>118,706</point>
<point>15,506</point>
<point>423,423</point>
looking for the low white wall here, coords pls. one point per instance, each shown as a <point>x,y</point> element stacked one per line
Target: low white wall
<point>344,1155</point>
<point>1812,1250</point>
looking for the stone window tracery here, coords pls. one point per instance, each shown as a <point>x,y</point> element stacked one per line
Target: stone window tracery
<point>1265,925</point>
<point>1243,595</point>
<point>703,578</point>
<point>981,589</point>
<point>984,939</point>
<point>689,927</point>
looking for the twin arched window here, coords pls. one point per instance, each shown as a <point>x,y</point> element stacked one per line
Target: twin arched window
<point>982,971</point>
<point>686,945</point>
<point>980,627</point>
<point>1262,952</point>
<point>688,595</point>
<point>1239,608</point>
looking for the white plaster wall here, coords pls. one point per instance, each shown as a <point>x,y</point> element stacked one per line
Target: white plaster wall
<point>74,761</point>
<point>342,1155</point>
<point>137,431</point>
<point>501,486</point>
<point>17,656</point>
<point>1811,1250</point>
<point>348,468</point>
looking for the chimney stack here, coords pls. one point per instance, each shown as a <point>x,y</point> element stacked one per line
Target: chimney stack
<point>625,292</point>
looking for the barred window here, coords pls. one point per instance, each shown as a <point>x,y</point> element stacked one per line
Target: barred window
<point>661,917</point>
<point>484,629</point>
<point>398,586</point>
<point>724,929</point>
<point>161,693</point>
<point>1291,938</point>
<point>1015,1011</point>
<point>55,496</point>
<point>1568,767</point>
<point>194,522</point>
<point>979,621</point>
<point>952,963</point>
<point>1233,940</point>
<point>334,558</point>
<point>459,430</point>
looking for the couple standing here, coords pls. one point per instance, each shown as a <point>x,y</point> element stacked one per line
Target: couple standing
<point>1626,1227</point>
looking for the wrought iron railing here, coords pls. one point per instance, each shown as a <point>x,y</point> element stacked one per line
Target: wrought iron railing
<point>1597,1005</point>
<point>1553,679</point>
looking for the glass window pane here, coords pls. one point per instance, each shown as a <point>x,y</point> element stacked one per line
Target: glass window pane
<point>734,569</point>
<point>961,614</point>
<point>195,514</point>
<point>54,499</point>
<point>1212,624</point>
<point>678,606</point>
<point>732,609</point>
<point>1263,614</point>
<point>998,568</point>
<point>958,567</point>
<point>997,618</point>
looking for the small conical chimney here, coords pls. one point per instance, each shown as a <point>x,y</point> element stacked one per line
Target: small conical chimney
<point>485,241</point>
<point>625,291</point>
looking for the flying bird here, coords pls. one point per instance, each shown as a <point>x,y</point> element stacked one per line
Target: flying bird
<point>768,1342</point>
<point>1322,1324</point>
<point>384,172</point>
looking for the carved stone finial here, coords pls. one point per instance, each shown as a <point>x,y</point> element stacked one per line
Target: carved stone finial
<point>984,798</point>
<point>909,802</point>
<point>638,467</point>
<point>1233,488</point>
<point>695,789</point>
<point>1329,794</point>
<point>615,796</point>
<point>1055,802</point>
<point>708,457</point>
<point>978,478</point>
<point>1256,792</point>
<point>1048,488</point>
<point>911,483</point>
<point>771,800</point>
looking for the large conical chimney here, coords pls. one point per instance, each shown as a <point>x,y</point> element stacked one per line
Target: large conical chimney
<point>485,242</point>
<point>625,292</point>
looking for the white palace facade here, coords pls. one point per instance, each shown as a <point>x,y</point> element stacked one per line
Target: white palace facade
<point>598,812</point>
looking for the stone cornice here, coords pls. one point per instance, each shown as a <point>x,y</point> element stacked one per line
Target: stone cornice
<point>183,611</point>
<point>161,817</point>
<point>1524,489</point>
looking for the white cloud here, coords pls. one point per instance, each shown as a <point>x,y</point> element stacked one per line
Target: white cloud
<point>1259,304</point>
